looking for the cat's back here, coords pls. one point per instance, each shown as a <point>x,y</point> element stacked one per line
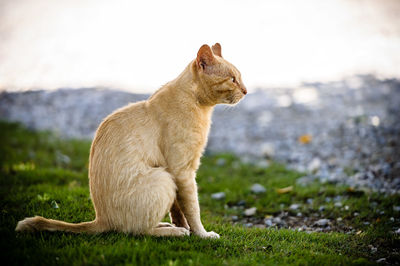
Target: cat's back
<point>127,135</point>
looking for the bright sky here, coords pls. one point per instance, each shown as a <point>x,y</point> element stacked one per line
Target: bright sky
<point>140,45</point>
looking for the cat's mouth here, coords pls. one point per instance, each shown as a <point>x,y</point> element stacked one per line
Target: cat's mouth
<point>235,99</point>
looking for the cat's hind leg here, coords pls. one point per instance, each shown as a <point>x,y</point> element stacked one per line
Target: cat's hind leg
<point>163,224</point>
<point>177,217</point>
<point>140,203</point>
<point>169,231</point>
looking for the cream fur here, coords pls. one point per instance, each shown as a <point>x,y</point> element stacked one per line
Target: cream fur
<point>144,157</point>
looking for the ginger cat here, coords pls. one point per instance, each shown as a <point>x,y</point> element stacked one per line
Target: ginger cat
<point>144,157</point>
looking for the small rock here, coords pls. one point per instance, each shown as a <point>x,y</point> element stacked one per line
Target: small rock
<point>310,201</point>
<point>62,158</point>
<point>248,225</point>
<point>294,207</point>
<point>235,218</point>
<point>299,214</point>
<point>221,162</point>
<point>314,165</point>
<point>241,203</point>
<point>381,260</point>
<point>356,214</point>
<point>277,220</point>
<point>321,208</point>
<point>346,208</point>
<point>373,249</point>
<point>337,198</point>
<point>328,199</point>
<point>262,164</point>
<point>305,181</point>
<point>257,189</point>
<point>338,204</point>
<point>268,222</point>
<point>322,222</point>
<point>250,211</point>
<point>339,219</point>
<point>397,231</point>
<point>391,219</point>
<point>218,195</point>
<point>259,226</point>
<point>396,208</point>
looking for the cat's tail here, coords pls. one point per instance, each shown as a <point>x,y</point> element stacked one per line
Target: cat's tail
<point>39,223</point>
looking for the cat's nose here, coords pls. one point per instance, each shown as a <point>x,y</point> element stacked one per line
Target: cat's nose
<point>244,90</point>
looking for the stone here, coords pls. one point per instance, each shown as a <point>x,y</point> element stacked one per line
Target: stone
<point>381,260</point>
<point>268,222</point>
<point>241,203</point>
<point>218,196</point>
<point>250,212</point>
<point>322,222</point>
<point>258,189</point>
<point>305,180</point>
<point>221,162</point>
<point>314,165</point>
<point>338,204</point>
<point>294,207</point>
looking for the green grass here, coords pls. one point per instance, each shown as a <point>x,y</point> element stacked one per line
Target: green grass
<point>40,171</point>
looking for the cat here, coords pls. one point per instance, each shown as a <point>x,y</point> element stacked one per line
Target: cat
<point>144,156</point>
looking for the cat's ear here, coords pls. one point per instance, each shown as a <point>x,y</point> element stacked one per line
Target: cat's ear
<point>205,57</point>
<point>216,48</point>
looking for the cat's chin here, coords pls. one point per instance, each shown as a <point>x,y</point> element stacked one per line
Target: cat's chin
<point>231,103</point>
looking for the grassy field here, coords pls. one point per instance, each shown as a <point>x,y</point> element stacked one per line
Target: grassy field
<point>44,175</point>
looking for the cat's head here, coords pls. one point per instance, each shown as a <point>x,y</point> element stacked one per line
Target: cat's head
<point>219,81</point>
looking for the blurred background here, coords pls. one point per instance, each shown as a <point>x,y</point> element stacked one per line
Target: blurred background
<point>322,75</point>
<point>140,45</point>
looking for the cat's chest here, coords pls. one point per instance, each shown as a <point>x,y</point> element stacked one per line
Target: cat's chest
<point>186,143</point>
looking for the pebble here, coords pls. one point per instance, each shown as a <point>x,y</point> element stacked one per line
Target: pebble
<point>277,220</point>
<point>218,196</point>
<point>381,260</point>
<point>397,231</point>
<point>396,208</point>
<point>234,218</point>
<point>268,222</point>
<point>257,189</point>
<point>250,212</point>
<point>221,162</point>
<point>294,207</point>
<point>322,222</point>
<point>241,203</point>
<point>338,204</point>
<point>321,208</point>
<point>305,181</point>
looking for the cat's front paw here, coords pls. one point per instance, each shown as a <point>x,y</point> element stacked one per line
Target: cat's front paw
<point>210,234</point>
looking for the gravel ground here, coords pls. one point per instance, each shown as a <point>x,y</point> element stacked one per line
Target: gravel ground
<point>341,132</point>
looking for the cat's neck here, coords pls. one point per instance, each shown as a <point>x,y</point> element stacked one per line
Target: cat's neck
<point>184,94</point>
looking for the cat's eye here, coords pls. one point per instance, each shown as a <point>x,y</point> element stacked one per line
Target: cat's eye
<point>233,79</point>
